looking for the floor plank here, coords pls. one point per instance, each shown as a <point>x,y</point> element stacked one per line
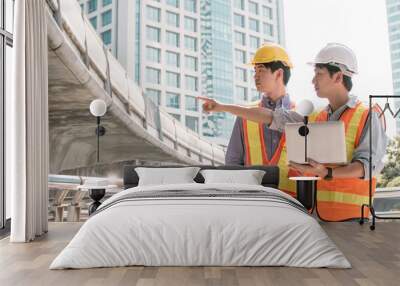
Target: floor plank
<point>375,257</point>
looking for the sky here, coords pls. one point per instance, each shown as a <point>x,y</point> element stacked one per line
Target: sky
<point>359,24</point>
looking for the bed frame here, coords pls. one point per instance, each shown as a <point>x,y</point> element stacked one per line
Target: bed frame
<point>270,179</point>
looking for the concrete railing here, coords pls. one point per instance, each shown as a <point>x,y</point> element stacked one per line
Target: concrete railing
<point>387,192</point>
<point>98,66</point>
<point>387,201</point>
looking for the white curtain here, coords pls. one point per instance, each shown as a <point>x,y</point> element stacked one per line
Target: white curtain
<point>27,124</point>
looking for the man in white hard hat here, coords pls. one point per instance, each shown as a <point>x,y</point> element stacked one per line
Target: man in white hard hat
<point>344,188</point>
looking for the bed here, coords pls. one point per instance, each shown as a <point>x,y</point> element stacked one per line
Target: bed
<point>201,224</point>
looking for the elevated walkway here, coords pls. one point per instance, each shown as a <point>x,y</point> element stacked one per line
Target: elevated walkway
<point>80,70</point>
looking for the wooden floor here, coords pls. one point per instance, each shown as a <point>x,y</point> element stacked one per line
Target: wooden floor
<point>375,256</point>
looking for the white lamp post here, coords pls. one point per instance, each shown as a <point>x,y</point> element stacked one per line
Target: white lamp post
<point>98,108</point>
<point>306,187</point>
<point>305,108</point>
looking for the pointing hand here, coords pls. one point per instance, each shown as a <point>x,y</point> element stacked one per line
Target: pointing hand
<point>210,105</point>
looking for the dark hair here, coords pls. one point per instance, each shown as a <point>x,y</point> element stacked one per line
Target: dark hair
<point>348,84</point>
<point>273,66</point>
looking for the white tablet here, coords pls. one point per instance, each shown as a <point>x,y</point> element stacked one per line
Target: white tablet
<point>325,142</point>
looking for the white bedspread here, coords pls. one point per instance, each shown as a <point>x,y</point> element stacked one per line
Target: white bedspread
<point>200,231</point>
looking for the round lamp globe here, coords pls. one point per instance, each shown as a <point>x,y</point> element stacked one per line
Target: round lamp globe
<point>98,107</point>
<point>305,107</point>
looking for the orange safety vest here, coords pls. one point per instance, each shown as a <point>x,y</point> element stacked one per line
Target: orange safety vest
<point>256,154</point>
<point>337,199</point>
<point>341,199</point>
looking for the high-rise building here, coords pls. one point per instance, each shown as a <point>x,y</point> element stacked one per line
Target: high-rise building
<point>185,48</point>
<point>170,57</point>
<point>114,21</point>
<point>231,32</point>
<point>393,14</point>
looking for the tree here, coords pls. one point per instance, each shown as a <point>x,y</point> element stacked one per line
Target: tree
<point>394,182</point>
<point>391,172</point>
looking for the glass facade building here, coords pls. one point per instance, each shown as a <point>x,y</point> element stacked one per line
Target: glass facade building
<point>217,63</point>
<point>231,32</point>
<point>393,14</point>
<point>186,48</point>
<point>100,15</point>
<point>175,34</point>
<point>114,20</point>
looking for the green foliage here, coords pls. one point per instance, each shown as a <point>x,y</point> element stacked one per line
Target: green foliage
<point>394,182</point>
<point>391,171</point>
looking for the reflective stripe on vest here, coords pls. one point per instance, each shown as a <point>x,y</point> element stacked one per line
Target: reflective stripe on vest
<point>286,185</point>
<point>341,199</point>
<point>256,154</point>
<point>254,141</point>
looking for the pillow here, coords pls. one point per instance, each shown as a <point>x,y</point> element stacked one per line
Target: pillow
<point>164,176</point>
<point>249,177</point>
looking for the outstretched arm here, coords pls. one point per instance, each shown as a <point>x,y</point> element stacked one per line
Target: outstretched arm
<point>257,114</point>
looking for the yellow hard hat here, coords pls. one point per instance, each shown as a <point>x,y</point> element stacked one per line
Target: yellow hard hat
<point>271,52</point>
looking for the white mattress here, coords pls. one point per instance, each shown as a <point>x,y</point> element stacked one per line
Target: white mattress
<point>185,231</point>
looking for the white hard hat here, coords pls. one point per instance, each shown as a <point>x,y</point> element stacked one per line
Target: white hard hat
<point>338,55</point>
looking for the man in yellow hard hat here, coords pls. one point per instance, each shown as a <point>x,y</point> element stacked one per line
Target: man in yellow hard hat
<point>251,142</point>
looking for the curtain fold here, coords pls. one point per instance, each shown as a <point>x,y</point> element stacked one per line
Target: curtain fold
<point>27,124</point>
